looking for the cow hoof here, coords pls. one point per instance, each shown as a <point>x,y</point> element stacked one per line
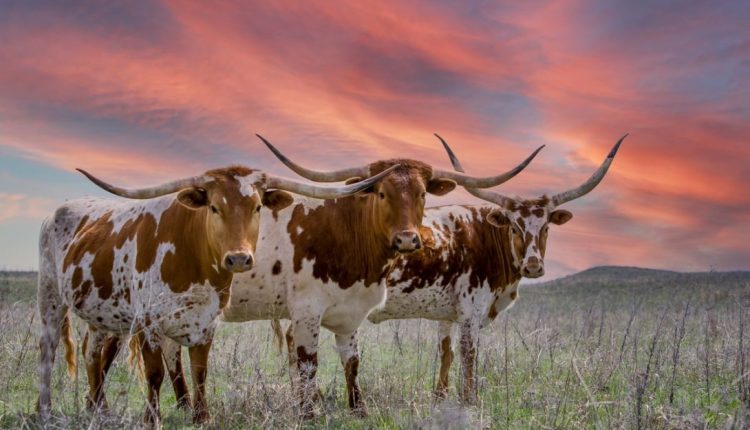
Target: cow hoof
<point>440,395</point>
<point>98,407</point>
<point>201,416</point>
<point>151,420</point>
<point>184,403</point>
<point>360,411</point>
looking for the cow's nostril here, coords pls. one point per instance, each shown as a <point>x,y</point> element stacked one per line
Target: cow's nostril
<point>414,240</point>
<point>398,241</point>
<point>249,261</point>
<point>228,261</point>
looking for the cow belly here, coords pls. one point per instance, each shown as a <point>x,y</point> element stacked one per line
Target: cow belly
<point>345,314</point>
<point>434,303</point>
<point>256,298</point>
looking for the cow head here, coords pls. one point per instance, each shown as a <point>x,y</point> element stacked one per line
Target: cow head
<point>397,200</point>
<point>527,220</point>
<point>227,203</point>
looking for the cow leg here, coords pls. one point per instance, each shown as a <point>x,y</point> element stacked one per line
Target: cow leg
<point>110,350</point>
<point>52,312</point>
<point>445,351</point>
<point>92,356</point>
<point>292,354</point>
<point>469,340</point>
<point>153,367</point>
<point>305,332</point>
<point>347,347</point>
<point>172,352</point>
<point>199,370</point>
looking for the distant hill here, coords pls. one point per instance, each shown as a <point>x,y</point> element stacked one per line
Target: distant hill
<point>615,283</point>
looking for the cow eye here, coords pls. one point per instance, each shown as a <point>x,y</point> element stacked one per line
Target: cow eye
<point>214,210</point>
<point>424,194</point>
<point>257,209</point>
<point>382,195</point>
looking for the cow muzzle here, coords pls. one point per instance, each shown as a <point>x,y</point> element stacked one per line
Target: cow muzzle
<point>533,268</point>
<point>238,261</point>
<point>406,241</point>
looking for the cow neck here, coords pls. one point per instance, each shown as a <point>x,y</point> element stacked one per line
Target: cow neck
<point>339,238</point>
<point>190,245</point>
<point>496,251</point>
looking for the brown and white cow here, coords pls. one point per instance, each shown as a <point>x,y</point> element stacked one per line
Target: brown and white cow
<point>158,267</point>
<point>323,263</point>
<point>470,270</point>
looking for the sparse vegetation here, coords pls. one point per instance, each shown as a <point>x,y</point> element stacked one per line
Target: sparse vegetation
<point>607,348</point>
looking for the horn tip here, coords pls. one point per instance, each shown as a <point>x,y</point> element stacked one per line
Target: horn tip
<point>613,152</point>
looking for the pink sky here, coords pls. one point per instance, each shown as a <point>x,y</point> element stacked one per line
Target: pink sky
<point>144,94</point>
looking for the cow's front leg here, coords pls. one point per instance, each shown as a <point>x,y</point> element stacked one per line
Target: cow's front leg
<point>305,332</point>
<point>445,351</point>
<point>469,340</point>
<point>172,352</point>
<point>153,367</point>
<point>347,347</point>
<point>92,356</point>
<point>199,370</point>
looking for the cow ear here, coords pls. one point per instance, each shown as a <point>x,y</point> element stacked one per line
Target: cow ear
<point>364,192</point>
<point>560,217</point>
<point>277,200</point>
<point>193,198</point>
<point>440,186</point>
<point>498,218</point>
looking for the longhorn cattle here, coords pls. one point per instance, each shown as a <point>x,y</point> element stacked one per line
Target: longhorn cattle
<point>323,263</point>
<point>160,267</point>
<point>470,270</point>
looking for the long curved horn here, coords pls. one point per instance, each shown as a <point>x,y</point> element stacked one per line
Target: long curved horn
<point>479,182</point>
<point>149,192</point>
<point>318,175</point>
<point>319,192</point>
<point>490,196</point>
<point>592,182</point>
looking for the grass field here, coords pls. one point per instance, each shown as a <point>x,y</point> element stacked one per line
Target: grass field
<point>606,348</point>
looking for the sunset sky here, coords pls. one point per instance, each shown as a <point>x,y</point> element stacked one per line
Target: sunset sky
<point>144,92</point>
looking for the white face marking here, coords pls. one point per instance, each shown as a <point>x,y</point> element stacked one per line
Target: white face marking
<point>249,182</point>
<point>224,199</point>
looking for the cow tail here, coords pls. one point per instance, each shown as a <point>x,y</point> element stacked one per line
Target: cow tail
<point>278,335</point>
<point>70,346</point>
<point>135,358</point>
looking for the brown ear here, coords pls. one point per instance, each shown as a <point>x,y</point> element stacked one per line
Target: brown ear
<point>277,200</point>
<point>498,218</point>
<point>560,217</point>
<point>364,192</point>
<point>193,198</point>
<point>440,186</point>
<point>353,180</point>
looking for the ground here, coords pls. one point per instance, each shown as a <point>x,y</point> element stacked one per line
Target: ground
<point>607,348</point>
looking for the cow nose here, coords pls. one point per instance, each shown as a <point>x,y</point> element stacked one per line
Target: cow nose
<point>407,241</point>
<point>238,261</point>
<point>533,268</point>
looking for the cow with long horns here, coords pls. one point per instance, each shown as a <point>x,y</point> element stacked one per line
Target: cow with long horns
<point>324,263</point>
<point>158,266</point>
<point>470,271</point>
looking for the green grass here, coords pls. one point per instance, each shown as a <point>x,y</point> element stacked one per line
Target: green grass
<point>574,359</point>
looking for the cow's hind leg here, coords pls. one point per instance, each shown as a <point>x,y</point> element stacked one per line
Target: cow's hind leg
<point>153,368</point>
<point>445,352</point>
<point>347,347</point>
<point>92,355</point>
<point>53,314</point>
<point>172,352</point>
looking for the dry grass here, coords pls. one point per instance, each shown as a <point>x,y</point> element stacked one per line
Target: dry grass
<point>597,354</point>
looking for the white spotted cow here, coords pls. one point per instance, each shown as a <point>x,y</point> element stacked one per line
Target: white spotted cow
<point>158,267</point>
<point>470,269</point>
